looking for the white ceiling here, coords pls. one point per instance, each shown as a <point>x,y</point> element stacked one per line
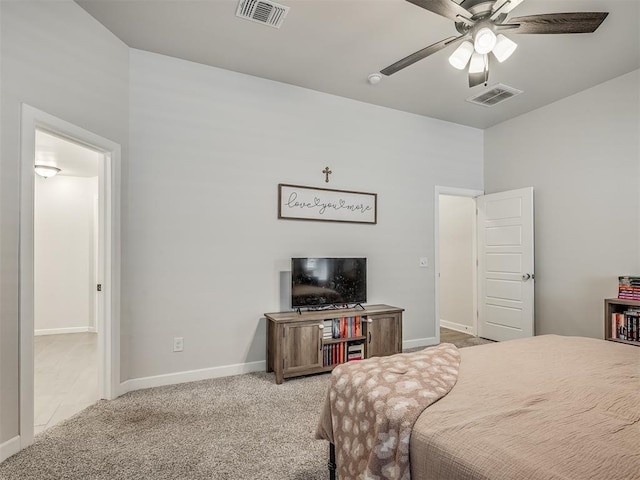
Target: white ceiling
<point>333,45</point>
<point>71,158</point>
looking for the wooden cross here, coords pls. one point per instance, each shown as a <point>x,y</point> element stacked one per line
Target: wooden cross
<point>326,172</point>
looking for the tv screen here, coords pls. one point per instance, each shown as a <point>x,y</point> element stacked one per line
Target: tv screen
<point>319,282</point>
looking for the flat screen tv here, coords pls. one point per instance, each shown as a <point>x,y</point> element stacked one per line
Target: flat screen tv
<point>321,282</point>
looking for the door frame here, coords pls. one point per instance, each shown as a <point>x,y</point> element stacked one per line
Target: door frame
<point>33,119</point>
<point>458,192</point>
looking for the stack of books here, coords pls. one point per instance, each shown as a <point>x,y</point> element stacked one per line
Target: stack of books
<point>355,351</point>
<point>327,332</point>
<point>629,288</point>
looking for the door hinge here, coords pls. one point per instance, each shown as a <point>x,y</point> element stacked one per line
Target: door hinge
<point>99,287</point>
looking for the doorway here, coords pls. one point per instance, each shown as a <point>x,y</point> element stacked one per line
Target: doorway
<point>455,260</point>
<point>107,258</point>
<point>502,265</point>
<point>67,230</point>
<point>457,263</point>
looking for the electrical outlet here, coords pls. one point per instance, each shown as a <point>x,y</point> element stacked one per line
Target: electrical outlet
<point>423,262</point>
<point>178,344</point>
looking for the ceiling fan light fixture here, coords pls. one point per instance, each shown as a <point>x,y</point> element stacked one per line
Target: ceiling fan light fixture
<point>484,40</point>
<point>460,57</point>
<point>478,63</point>
<point>504,48</point>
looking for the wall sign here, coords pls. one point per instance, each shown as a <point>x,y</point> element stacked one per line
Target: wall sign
<point>296,202</point>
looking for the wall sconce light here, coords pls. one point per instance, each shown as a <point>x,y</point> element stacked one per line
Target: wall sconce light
<point>46,171</point>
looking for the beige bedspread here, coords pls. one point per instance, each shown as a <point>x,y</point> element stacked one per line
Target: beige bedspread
<point>543,408</point>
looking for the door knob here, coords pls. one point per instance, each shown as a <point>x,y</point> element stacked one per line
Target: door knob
<point>526,277</point>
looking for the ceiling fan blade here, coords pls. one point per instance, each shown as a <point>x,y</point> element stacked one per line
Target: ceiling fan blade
<point>576,22</point>
<point>447,8</point>
<point>420,54</point>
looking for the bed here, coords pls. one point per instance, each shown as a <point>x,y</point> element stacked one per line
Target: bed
<point>547,407</point>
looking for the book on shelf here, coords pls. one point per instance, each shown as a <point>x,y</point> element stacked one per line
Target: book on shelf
<point>341,352</point>
<point>333,354</point>
<point>336,328</point>
<point>631,320</point>
<point>345,327</point>
<point>616,324</point>
<point>626,325</point>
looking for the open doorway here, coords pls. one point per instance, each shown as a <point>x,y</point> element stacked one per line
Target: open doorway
<point>456,264</point>
<point>106,268</point>
<point>66,246</point>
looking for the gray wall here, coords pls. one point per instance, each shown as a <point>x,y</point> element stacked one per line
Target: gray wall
<point>204,250</point>
<point>57,58</point>
<point>581,155</point>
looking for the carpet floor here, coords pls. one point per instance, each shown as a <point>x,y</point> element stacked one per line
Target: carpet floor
<point>243,427</point>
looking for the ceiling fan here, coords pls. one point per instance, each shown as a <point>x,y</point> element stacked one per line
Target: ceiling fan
<point>481,23</point>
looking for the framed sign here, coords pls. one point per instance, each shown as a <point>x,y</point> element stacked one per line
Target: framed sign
<point>296,202</point>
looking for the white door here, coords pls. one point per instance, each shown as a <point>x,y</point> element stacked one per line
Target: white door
<point>505,265</point>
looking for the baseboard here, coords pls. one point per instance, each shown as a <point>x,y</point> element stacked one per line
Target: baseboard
<point>420,342</point>
<point>458,327</point>
<point>58,331</point>
<point>191,376</point>
<point>9,448</point>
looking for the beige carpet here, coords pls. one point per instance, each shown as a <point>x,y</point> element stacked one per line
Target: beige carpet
<point>235,428</point>
<point>241,427</point>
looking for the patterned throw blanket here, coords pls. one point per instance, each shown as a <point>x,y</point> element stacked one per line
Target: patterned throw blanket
<point>371,406</point>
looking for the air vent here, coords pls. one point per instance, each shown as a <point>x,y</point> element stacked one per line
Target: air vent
<point>262,11</point>
<point>496,94</point>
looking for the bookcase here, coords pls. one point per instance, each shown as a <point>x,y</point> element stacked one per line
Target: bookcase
<point>622,321</point>
<point>316,341</point>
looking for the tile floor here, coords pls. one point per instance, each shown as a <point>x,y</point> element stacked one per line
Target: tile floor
<point>66,377</point>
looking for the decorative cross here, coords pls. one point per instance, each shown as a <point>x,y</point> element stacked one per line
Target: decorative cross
<point>326,172</point>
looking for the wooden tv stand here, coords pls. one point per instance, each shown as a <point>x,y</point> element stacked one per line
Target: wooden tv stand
<point>297,345</point>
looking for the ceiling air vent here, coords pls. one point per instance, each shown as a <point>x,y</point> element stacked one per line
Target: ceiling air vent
<point>262,11</point>
<point>496,94</point>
